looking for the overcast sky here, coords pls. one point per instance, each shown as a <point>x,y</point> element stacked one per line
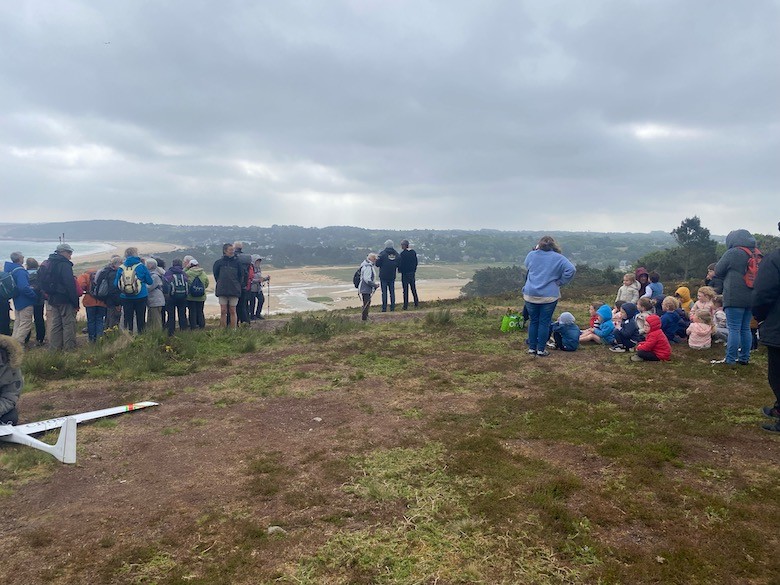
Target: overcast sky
<point>612,115</point>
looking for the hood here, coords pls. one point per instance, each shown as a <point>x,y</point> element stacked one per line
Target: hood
<point>684,293</point>
<point>9,266</point>
<point>366,263</point>
<point>654,321</point>
<point>566,319</point>
<point>132,260</point>
<point>13,349</point>
<point>630,309</point>
<point>739,238</point>
<point>605,313</point>
<point>176,270</point>
<point>639,271</point>
<point>196,270</point>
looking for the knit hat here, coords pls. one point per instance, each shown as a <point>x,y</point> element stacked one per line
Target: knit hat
<point>566,319</point>
<point>193,262</point>
<point>64,248</point>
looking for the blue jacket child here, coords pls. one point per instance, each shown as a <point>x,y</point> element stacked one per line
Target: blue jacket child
<point>605,329</point>
<point>566,333</point>
<point>629,334</point>
<point>670,325</point>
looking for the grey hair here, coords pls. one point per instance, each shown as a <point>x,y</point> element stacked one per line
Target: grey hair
<point>389,244</point>
<point>151,264</point>
<point>115,260</point>
<point>371,257</point>
<point>16,257</point>
<point>187,259</point>
<point>131,251</point>
<point>238,244</point>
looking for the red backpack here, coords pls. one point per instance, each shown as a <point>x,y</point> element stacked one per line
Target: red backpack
<point>754,259</point>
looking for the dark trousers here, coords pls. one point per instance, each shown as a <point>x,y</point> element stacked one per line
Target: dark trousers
<point>648,356</point>
<point>113,314</point>
<point>623,339</point>
<point>558,338</point>
<point>40,325</point>
<point>96,322</point>
<point>388,287</point>
<point>242,310</point>
<point>407,281</point>
<point>135,308</point>
<point>197,318</point>
<point>773,371</point>
<point>256,302</point>
<point>366,304</point>
<point>5,317</point>
<point>10,417</point>
<point>177,308</point>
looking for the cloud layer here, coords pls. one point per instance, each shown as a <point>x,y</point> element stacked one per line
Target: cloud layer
<point>606,115</point>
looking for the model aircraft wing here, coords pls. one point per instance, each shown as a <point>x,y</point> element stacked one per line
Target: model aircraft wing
<point>5,430</point>
<point>54,423</point>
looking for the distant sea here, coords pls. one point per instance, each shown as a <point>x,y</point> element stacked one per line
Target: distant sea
<point>41,250</point>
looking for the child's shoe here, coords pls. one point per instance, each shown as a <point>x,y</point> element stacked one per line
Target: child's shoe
<point>617,349</point>
<point>636,358</point>
<point>532,351</point>
<point>551,344</point>
<point>773,427</point>
<point>771,411</point>
<point>544,353</point>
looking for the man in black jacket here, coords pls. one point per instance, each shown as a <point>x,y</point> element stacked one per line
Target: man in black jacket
<point>59,284</point>
<point>387,262</point>
<point>408,267</point>
<point>766,310</point>
<point>228,276</point>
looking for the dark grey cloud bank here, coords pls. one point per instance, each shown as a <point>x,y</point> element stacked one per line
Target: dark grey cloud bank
<point>611,115</point>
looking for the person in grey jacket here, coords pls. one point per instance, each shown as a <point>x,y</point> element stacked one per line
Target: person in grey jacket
<point>737,296</point>
<point>367,283</point>
<point>11,380</point>
<point>156,299</point>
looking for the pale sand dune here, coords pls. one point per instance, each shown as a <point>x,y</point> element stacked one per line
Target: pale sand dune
<point>119,249</point>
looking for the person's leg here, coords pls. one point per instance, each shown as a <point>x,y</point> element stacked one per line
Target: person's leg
<point>241,308</point>
<point>54,322</point>
<point>647,356</point>
<point>252,305</point>
<point>383,284</point>
<point>545,318</point>
<point>558,338</point>
<point>11,417</point>
<point>534,311</point>
<point>170,324</point>
<point>23,324</point>
<point>140,314</point>
<point>413,286</point>
<point>233,316</point>
<point>223,315</point>
<point>734,322</point>
<point>181,313</point>
<point>68,327</point>
<point>100,326</point>
<point>745,337</point>
<point>199,314</point>
<point>90,311</point>
<point>405,289</point>
<point>5,317</point>
<point>127,307</point>
<point>366,305</point>
<point>260,303</point>
<point>191,317</point>
<point>773,372</point>
<point>391,288</point>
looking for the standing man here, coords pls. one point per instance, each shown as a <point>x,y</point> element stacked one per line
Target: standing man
<point>59,283</point>
<point>245,261</point>
<point>387,262</point>
<point>227,274</point>
<point>367,284</point>
<point>408,267</point>
<point>112,300</point>
<point>25,298</point>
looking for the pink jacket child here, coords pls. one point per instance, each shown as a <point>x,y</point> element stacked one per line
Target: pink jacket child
<point>700,330</point>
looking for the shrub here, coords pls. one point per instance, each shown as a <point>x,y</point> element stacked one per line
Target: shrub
<point>439,318</point>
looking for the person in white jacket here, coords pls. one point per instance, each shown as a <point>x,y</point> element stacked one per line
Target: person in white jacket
<point>368,282</point>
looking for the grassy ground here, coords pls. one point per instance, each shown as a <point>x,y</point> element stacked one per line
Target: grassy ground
<point>425,448</point>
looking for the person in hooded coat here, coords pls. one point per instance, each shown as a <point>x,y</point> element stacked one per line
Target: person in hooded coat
<point>629,333</point>
<point>737,296</point>
<point>656,346</point>
<point>11,380</point>
<point>388,262</point>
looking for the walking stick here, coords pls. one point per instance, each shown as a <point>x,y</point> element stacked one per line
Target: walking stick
<point>268,300</point>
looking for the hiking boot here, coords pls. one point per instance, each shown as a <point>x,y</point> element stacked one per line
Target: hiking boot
<point>617,349</point>
<point>773,427</point>
<point>771,411</point>
<point>636,358</point>
<point>544,353</point>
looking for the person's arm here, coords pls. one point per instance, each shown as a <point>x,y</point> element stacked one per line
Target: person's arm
<point>23,283</point>
<point>215,269</point>
<point>766,288</point>
<point>568,273</point>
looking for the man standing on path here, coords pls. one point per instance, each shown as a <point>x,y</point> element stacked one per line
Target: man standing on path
<point>387,262</point>
<point>227,274</point>
<point>25,298</point>
<point>245,261</point>
<point>408,267</point>
<point>59,283</point>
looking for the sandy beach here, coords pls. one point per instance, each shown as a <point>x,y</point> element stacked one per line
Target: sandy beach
<point>119,248</point>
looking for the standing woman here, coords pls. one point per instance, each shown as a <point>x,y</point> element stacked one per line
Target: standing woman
<point>737,296</point>
<point>548,270</point>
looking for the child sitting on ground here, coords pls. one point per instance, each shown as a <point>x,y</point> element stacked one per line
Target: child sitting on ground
<point>700,330</point>
<point>670,318</point>
<point>593,313</point>
<point>629,292</point>
<point>566,334</point>
<point>604,331</point>
<point>655,347</point>
<point>655,289</point>
<point>703,302</point>
<point>617,317</point>
<point>629,333</point>
<point>683,294</point>
<point>645,306</point>
<point>721,326</point>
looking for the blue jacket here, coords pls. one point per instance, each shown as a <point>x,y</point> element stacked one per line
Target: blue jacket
<point>605,328</point>
<point>670,324</point>
<point>570,334</point>
<point>141,272</point>
<point>26,295</point>
<point>547,272</point>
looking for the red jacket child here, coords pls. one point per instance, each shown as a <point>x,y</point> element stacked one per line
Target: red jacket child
<point>655,341</point>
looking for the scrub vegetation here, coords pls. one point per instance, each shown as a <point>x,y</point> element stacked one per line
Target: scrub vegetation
<point>424,447</point>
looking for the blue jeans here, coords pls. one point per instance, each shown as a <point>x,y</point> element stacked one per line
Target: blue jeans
<point>739,340</point>
<point>96,320</point>
<point>388,285</point>
<point>539,327</point>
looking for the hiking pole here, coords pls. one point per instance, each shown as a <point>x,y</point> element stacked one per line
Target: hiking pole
<point>268,300</point>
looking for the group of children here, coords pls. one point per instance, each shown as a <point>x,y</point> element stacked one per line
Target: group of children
<point>645,321</point>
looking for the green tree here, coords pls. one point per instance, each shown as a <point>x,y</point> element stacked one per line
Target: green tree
<point>492,281</point>
<point>696,248</point>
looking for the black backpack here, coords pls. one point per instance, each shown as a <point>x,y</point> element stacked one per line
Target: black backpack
<point>356,277</point>
<point>196,287</point>
<point>45,277</point>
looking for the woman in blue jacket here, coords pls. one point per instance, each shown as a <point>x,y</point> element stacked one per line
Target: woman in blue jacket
<point>548,270</point>
<point>131,280</point>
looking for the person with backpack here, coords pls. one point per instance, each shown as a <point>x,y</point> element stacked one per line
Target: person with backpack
<point>178,285</point>
<point>388,261</point>
<point>407,266</point>
<point>31,264</point>
<point>132,278</point>
<point>247,272</point>
<point>736,269</point>
<point>56,278</point>
<point>24,297</point>
<point>228,275</point>
<point>196,293</point>
<point>257,298</point>
<point>108,292</point>
<point>155,300</point>
<point>94,307</point>
<point>366,284</point>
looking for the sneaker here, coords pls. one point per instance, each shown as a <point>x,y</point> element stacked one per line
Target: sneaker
<point>544,353</point>
<point>771,411</point>
<point>636,358</point>
<point>532,351</point>
<point>773,427</point>
<point>551,344</point>
<point>743,363</point>
<point>617,349</point>
<point>723,361</point>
